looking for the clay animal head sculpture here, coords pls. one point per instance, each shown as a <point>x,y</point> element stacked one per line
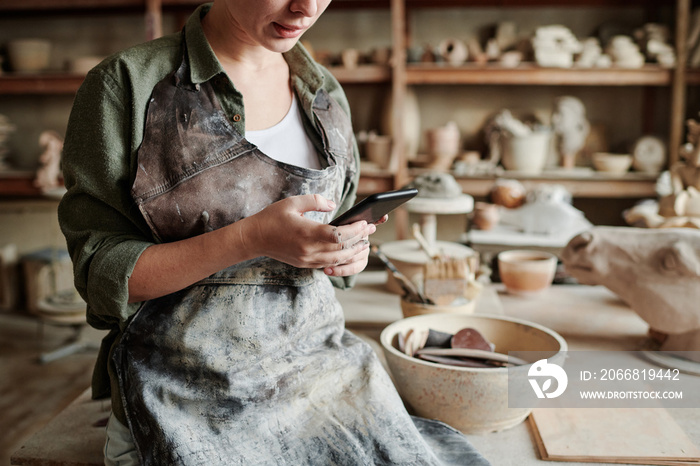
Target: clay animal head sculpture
<point>656,272</point>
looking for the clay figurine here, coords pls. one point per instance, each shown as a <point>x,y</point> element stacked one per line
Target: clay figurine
<point>624,52</point>
<point>48,176</point>
<point>453,51</point>
<point>555,46</point>
<point>6,128</point>
<point>656,272</point>
<point>571,127</point>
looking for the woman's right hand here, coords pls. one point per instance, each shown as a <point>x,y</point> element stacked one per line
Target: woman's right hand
<point>282,232</point>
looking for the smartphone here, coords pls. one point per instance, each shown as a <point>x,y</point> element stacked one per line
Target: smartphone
<point>374,207</point>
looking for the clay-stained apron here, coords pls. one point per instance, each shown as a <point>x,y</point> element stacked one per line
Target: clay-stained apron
<point>253,365</point>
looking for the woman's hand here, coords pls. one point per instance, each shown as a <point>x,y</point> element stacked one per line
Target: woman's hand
<point>281,231</point>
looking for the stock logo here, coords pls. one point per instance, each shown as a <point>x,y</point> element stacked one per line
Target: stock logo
<point>543,369</point>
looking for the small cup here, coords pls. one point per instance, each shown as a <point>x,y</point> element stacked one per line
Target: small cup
<point>29,55</point>
<point>378,150</point>
<point>526,272</point>
<point>350,58</point>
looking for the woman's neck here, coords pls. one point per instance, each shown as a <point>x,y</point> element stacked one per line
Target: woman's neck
<point>232,48</point>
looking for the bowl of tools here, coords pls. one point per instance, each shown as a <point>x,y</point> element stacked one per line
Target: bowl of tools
<point>455,368</point>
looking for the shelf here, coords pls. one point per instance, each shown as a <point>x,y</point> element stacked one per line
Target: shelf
<point>531,74</point>
<point>375,182</point>
<point>531,3</point>
<point>40,6</point>
<point>692,76</point>
<point>18,185</point>
<point>58,83</point>
<point>593,185</point>
<point>64,83</point>
<point>363,74</point>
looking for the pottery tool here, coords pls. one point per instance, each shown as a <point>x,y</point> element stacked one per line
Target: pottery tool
<point>445,278</point>
<point>472,339</point>
<point>462,362</point>
<point>412,340</point>
<point>472,353</point>
<point>410,291</point>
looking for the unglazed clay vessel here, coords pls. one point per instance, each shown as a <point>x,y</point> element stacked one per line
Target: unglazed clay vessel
<point>527,154</point>
<point>472,400</point>
<point>485,215</point>
<point>29,55</point>
<point>614,164</point>
<point>526,272</point>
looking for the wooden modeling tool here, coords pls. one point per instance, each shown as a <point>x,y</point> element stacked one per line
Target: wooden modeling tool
<point>444,278</point>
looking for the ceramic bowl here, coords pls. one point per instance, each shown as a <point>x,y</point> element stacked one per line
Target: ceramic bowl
<point>472,400</point>
<point>29,55</point>
<point>612,163</point>
<point>526,272</point>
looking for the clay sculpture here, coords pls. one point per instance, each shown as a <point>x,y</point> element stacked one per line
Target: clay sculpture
<point>656,272</point>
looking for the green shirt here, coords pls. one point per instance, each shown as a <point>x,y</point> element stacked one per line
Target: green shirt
<point>104,229</point>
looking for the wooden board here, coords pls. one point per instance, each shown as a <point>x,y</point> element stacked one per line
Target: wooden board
<point>73,438</point>
<point>31,394</point>
<point>618,435</point>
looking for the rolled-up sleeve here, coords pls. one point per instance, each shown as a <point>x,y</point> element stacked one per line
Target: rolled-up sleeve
<point>104,231</point>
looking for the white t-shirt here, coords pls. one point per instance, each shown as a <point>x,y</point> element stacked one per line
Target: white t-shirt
<point>287,141</point>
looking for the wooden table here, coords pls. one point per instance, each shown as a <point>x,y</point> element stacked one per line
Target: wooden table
<point>587,317</point>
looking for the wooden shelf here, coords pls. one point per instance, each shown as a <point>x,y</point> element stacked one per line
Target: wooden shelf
<point>40,6</point>
<point>375,182</point>
<point>65,83</point>
<point>531,74</point>
<point>590,185</point>
<point>18,184</point>
<point>363,74</point>
<point>532,3</point>
<point>692,76</point>
<point>58,83</point>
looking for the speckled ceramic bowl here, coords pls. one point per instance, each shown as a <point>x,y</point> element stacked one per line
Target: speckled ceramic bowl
<point>473,400</point>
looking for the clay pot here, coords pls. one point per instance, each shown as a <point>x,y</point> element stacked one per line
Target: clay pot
<point>527,154</point>
<point>472,400</point>
<point>508,193</point>
<point>410,121</point>
<point>378,150</point>
<point>350,58</point>
<point>526,272</point>
<point>443,145</point>
<point>82,65</point>
<point>29,55</point>
<point>485,216</point>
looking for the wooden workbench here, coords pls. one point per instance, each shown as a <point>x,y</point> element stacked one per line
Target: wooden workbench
<point>587,317</point>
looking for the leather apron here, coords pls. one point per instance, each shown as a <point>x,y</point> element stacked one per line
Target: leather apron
<point>251,365</point>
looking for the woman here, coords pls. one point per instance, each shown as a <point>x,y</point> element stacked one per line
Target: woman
<point>202,169</point>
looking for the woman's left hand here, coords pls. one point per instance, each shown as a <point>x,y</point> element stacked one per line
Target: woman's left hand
<point>355,264</point>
